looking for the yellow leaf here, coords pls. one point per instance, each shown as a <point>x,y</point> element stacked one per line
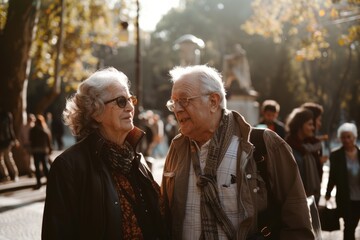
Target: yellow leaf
<point>322,13</point>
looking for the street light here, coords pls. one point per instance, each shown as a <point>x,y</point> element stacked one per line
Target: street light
<point>138,81</point>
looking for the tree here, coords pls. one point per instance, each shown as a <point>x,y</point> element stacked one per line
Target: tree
<point>52,42</point>
<point>80,24</point>
<point>312,32</point>
<point>15,43</point>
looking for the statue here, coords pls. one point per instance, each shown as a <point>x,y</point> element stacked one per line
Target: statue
<point>189,49</point>
<point>236,68</point>
<point>240,92</point>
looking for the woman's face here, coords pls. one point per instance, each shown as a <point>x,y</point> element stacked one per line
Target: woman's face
<point>318,122</point>
<point>347,139</point>
<point>116,122</point>
<point>307,129</point>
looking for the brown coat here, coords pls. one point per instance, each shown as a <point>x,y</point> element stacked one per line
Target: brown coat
<point>283,175</point>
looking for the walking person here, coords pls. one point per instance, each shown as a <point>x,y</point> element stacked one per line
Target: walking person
<point>101,188</point>
<point>8,168</point>
<point>171,128</point>
<point>316,141</point>
<point>24,140</point>
<point>269,117</point>
<point>300,126</point>
<point>57,131</point>
<point>210,179</point>
<point>345,176</point>
<point>41,148</point>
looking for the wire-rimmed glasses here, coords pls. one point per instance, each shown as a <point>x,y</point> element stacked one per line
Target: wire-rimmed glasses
<point>183,102</point>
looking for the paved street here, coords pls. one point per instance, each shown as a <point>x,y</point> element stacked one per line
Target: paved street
<point>21,208</point>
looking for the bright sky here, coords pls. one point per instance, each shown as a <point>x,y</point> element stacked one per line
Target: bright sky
<point>151,12</point>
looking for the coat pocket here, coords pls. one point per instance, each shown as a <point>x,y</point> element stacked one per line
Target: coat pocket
<point>257,186</point>
<point>168,186</point>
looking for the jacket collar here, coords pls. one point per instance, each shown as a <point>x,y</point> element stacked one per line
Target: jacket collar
<point>133,137</point>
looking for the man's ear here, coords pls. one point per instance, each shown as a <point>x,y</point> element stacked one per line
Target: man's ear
<point>214,101</point>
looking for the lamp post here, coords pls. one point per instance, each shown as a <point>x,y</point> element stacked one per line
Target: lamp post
<point>138,82</point>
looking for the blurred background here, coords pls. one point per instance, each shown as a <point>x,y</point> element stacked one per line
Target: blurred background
<point>290,51</point>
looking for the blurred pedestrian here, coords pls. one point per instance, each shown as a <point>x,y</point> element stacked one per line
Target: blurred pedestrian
<point>345,176</point>
<point>24,139</point>
<point>100,188</point>
<point>8,168</point>
<point>300,125</point>
<point>41,148</point>
<point>156,146</point>
<point>269,117</point>
<point>210,178</point>
<point>57,132</point>
<point>317,141</point>
<point>171,128</point>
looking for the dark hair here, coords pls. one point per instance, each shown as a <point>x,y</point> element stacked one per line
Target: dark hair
<point>270,105</point>
<point>297,118</point>
<point>316,109</point>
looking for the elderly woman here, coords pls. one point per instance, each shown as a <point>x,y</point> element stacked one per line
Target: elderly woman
<point>100,188</point>
<point>345,175</point>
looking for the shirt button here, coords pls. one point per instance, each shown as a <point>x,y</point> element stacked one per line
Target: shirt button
<point>255,190</point>
<point>116,203</point>
<point>248,176</point>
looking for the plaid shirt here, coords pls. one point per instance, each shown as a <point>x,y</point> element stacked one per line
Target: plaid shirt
<point>226,176</point>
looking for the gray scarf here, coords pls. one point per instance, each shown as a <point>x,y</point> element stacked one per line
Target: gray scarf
<point>210,206</point>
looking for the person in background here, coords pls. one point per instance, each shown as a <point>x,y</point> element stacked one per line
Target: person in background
<point>24,140</point>
<point>315,141</point>
<point>270,111</point>
<point>8,168</point>
<point>41,147</point>
<point>101,188</point>
<point>57,131</point>
<point>345,176</point>
<point>210,179</point>
<point>171,128</point>
<point>300,126</point>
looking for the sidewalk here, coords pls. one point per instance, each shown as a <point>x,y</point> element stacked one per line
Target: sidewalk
<point>21,207</point>
<point>24,181</point>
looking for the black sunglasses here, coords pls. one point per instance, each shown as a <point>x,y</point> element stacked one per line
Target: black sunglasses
<point>122,101</point>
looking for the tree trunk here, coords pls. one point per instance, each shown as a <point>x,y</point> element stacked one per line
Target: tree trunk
<point>15,43</point>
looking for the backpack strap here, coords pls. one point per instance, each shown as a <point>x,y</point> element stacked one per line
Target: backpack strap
<point>260,153</point>
<point>269,219</point>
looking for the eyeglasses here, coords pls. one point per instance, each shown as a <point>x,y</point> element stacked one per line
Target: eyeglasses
<point>122,101</point>
<point>183,102</point>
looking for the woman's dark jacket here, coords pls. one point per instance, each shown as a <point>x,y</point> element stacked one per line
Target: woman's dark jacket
<point>81,200</point>
<point>339,177</point>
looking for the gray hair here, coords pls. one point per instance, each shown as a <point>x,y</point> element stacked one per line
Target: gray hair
<point>209,77</point>
<point>347,127</point>
<point>89,99</point>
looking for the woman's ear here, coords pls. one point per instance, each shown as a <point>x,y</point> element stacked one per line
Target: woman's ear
<point>97,117</point>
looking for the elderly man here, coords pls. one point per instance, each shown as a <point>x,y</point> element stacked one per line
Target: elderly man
<point>210,179</point>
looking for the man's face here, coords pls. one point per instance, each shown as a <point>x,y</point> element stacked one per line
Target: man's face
<point>269,116</point>
<point>195,119</point>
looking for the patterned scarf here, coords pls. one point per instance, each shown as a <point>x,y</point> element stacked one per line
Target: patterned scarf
<point>210,207</point>
<point>117,157</point>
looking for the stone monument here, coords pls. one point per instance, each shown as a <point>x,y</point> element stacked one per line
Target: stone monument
<point>189,49</point>
<point>240,92</point>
